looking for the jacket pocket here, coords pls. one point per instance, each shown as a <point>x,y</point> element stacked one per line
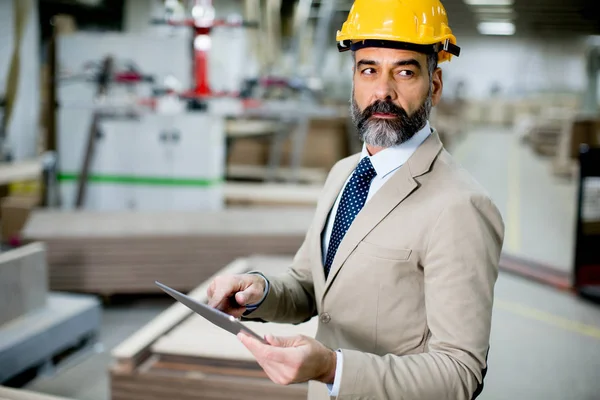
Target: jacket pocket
<point>387,253</point>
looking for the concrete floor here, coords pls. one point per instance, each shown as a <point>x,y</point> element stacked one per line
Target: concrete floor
<point>545,344</point>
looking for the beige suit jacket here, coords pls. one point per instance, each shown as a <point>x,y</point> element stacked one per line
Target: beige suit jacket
<point>409,296</point>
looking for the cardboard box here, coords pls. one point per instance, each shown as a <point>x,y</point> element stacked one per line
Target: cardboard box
<point>326,143</point>
<point>584,131</point>
<point>15,212</point>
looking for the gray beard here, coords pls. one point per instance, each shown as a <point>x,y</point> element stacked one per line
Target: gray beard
<point>389,132</point>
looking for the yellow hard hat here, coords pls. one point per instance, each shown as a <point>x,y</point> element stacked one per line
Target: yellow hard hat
<point>418,25</point>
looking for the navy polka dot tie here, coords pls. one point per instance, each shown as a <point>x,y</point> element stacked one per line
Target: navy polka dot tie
<point>352,201</point>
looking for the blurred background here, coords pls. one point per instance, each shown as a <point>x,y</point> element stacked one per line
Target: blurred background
<point>145,140</point>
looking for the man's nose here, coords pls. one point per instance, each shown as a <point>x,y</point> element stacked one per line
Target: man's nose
<point>385,90</point>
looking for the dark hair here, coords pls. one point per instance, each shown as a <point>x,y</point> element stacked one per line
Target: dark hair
<point>432,64</point>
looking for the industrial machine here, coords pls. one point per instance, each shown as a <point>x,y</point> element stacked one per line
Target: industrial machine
<point>138,137</point>
<point>121,146</point>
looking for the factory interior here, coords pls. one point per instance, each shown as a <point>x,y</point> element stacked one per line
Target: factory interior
<point>247,103</point>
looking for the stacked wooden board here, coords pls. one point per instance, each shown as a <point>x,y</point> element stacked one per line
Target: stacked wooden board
<point>180,356</point>
<point>125,252</point>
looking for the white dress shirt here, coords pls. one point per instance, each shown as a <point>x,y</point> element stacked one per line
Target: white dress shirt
<point>386,162</point>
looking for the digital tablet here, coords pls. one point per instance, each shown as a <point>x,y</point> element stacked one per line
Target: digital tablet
<point>217,317</point>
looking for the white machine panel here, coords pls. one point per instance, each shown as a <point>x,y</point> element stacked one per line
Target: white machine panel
<point>161,162</point>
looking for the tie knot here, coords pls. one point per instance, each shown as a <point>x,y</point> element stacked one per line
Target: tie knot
<point>365,169</point>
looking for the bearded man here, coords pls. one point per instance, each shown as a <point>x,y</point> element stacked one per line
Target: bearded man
<point>400,262</point>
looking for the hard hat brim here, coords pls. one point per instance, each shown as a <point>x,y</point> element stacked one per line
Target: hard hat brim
<point>446,45</point>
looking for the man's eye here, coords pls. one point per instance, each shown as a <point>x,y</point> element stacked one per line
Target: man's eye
<point>368,71</point>
<point>406,72</point>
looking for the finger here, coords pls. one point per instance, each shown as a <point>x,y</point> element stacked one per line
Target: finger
<point>224,289</point>
<point>248,296</point>
<point>236,312</point>
<point>290,341</point>
<point>211,290</point>
<point>231,306</point>
<point>275,362</point>
<point>240,282</point>
<point>250,344</point>
<point>260,350</point>
<point>251,293</point>
<point>230,286</point>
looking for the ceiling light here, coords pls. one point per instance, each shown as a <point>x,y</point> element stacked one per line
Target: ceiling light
<point>489,2</point>
<point>496,28</point>
<point>485,17</point>
<point>493,9</point>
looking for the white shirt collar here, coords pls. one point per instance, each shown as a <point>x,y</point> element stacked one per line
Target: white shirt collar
<point>392,158</point>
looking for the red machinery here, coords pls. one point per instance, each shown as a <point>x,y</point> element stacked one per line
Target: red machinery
<point>202,21</point>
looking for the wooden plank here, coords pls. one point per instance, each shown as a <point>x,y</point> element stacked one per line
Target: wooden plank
<point>88,224</point>
<point>272,194</point>
<point>183,383</point>
<point>196,337</point>
<point>137,347</point>
<point>23,281</point>
<point>312,175</point>
<point>20,171</point>
<point>21,394</point>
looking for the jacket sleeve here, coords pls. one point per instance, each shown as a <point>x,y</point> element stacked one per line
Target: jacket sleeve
<point>291,296</point>
<point>460,267</point>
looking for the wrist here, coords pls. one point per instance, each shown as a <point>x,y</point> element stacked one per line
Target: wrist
<point>328,376</point>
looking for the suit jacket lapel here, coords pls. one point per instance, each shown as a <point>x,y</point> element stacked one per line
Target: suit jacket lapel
<point>330,194</point>
<point>392,193</point>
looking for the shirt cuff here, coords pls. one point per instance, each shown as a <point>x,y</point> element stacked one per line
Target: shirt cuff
<point>252,307</point>
<point>334,389</point>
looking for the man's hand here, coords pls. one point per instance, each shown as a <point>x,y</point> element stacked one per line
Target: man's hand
<point>296,359</point>
<point>231,293</point>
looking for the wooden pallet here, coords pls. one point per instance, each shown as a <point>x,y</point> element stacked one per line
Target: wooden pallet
<point>181,356</point>
<point>124,253</point>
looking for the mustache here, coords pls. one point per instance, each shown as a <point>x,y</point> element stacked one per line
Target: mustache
<point>384,107</point>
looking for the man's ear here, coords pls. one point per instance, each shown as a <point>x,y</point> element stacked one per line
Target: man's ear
<point>437,85</point>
